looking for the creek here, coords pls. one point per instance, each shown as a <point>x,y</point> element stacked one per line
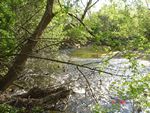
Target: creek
<point>89,86</point>
<point>100,82</point>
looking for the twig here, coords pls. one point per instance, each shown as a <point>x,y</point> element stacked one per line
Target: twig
<point>87,29</point>
<point>93,4</point>
<point>32,16</point>
<point>88,83</point>
<point>86,10</point>
<point>25,29</point>
<point>46,46</point>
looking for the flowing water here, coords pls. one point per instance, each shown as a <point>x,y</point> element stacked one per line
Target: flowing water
<point>90,87</point>
<point>96,89</point>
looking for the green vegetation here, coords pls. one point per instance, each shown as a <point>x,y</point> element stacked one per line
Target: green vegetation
<point>7,109</point>
<point>7,20</point>
<point>4,108</point>
<point>136,89</point>
<point>115,27</point>
<point>119,26</point>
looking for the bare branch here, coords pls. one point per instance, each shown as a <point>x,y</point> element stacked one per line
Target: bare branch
<point>88,30</point>
<point>93,4</point>
<point>89,5</point>
<point>86,9</point>
<point>46,46</point>
<point>88,83</point>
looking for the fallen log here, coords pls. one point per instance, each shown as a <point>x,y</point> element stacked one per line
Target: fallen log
<point>47,99</point>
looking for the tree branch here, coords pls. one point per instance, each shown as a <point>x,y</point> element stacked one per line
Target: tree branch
<point>88,83</point>
<point>86,9</point>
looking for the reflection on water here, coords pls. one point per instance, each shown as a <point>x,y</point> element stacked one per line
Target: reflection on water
<point>90,52</point>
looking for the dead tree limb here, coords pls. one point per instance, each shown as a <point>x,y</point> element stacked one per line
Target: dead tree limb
<point>88,83</point>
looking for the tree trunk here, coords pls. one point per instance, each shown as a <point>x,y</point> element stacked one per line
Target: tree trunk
<point>21,59</point>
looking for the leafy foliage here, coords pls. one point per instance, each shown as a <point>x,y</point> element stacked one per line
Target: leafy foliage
<point>7,109</point>
<point>138,90</point>
<point>115,26</point>
<point>4,108</point>
<point>7,20</point>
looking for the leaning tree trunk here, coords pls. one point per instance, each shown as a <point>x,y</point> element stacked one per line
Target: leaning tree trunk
<point>27,49</point>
